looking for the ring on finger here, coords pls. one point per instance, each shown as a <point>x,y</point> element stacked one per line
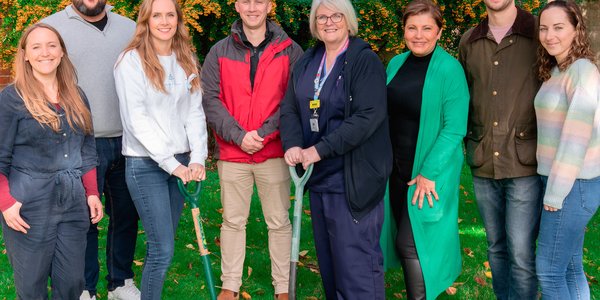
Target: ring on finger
<point>429,194</point>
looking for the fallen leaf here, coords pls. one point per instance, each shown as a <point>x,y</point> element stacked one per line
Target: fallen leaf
<point>307,212</point>
<point>488,274</point>
<point>249,271</point>
<point>466,193</point>
<point>480,281</point>
<point>190,266</point>
<point>312,298</point>
<point>451,291</point>
<point>313,268</point>
<point>300,264</point>
<point>303,253</point>
<point>460,220</point>
<point>457,284</point>
<point>398,296</point>
<point>461,187</point>
<point>486,264</point>
<point>138,263</point>
<point>246,296</point>
<point>585,250</point>
<point>474,220</point>
<point>100,228</point>
<point>292,197</point>
<point>3,251</point>
<point>468,252</point>
<point>202,287</point>
<point>218,241</point>
<point>190,246</point>
<point>140,232</point>
<point>175,280</point>
<point>220,210</point>
<point>469,201</point>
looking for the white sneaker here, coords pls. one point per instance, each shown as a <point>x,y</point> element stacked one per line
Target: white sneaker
<point>127,292</point>
<point>86,296</point>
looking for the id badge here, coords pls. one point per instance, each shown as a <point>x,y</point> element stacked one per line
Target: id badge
<point>314,123</point>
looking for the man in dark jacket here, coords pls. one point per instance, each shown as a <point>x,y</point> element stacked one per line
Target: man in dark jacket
<point>244,78</point>
<point>499,58</point>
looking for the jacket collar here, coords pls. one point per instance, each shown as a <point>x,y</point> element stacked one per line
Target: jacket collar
<point>274,32</point>
<point>524,25</point>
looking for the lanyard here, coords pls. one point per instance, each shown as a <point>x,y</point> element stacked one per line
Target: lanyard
<point>320,82</point>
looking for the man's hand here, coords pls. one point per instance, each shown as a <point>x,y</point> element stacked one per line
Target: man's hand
<point>252,142</point>
<point>310,156</point>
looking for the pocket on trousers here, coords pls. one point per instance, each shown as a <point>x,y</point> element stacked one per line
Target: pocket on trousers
<point>590,194</point>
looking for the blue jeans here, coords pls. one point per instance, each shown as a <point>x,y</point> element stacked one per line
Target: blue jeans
<point>159,203</point>
<point>122,223</point>
<point>560,246</point>
<point>510,209</point>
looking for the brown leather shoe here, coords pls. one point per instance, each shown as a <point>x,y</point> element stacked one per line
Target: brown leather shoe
<point>282,296</point>
<point>228,295</point>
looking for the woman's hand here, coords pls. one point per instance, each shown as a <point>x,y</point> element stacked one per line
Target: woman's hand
<point>12,217</point>
<point>293,156</point>
<point>550,208</point>
<point>183,173</point>
<point>425,188</point>
<point>95,205</point>
<point>310,156</point>
<point>198,171</point>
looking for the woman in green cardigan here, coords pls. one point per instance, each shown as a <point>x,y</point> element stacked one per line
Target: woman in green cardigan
<point>428,102</point>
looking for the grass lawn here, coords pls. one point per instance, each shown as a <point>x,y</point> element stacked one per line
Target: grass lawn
<point>186,278</point>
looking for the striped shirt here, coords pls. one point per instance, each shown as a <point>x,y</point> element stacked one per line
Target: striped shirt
<point>568,121</point>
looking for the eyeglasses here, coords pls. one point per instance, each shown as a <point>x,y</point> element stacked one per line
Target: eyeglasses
<point>335,18</point>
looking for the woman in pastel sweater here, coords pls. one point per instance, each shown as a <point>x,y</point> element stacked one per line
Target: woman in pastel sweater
<point>428,102</point>
<point>164,129</point>
<point>568,151</point>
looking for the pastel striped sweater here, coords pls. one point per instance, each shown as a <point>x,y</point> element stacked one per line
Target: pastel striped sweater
<point>568,121</point>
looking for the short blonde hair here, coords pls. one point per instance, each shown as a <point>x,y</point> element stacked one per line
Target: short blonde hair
<point>342,6</point>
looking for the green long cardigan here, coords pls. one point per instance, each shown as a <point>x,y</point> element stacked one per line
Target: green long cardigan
<point>438,157</point>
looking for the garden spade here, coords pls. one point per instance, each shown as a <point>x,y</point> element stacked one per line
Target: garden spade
<point>299,183</point>
<point>193,200</point>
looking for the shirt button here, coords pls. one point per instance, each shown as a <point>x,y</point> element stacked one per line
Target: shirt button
<point>495,124</point>
<point>510,41</point>
<point>521,134</point>
<point>496,153</point>
<point>64,134</point>
<point>495,63</point>
<point>66,155</point>
<point>494,93</point>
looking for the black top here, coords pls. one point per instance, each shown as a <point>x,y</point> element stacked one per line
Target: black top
<point>100,24</point>
<point>255,52</point>
<point>404,94</point>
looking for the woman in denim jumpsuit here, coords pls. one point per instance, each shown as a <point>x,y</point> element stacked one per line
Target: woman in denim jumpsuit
<point>47,169</point>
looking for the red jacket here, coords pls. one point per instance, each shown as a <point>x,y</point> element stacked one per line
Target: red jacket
<point>232,107</point>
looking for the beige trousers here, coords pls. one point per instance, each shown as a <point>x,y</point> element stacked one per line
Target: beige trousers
<point>273,184</point>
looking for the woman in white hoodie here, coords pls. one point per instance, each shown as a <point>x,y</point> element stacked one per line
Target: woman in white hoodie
<point>164,129</point>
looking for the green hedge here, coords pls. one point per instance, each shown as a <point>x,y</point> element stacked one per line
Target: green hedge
<point>210,20</point>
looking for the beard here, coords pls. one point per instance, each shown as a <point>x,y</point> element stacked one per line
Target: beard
<point>90,11</point>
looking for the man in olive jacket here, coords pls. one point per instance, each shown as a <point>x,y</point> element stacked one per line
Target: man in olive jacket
<point>499,57</point>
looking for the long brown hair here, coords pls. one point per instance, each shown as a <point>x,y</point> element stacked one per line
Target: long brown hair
<point>142,42</point>
<point>32,92</point>
<point>580,48</point>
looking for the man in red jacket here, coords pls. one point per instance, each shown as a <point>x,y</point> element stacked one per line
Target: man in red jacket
<point>244,78</point>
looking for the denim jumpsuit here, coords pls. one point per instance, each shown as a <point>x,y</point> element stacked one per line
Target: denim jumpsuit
<point>44,170</point>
